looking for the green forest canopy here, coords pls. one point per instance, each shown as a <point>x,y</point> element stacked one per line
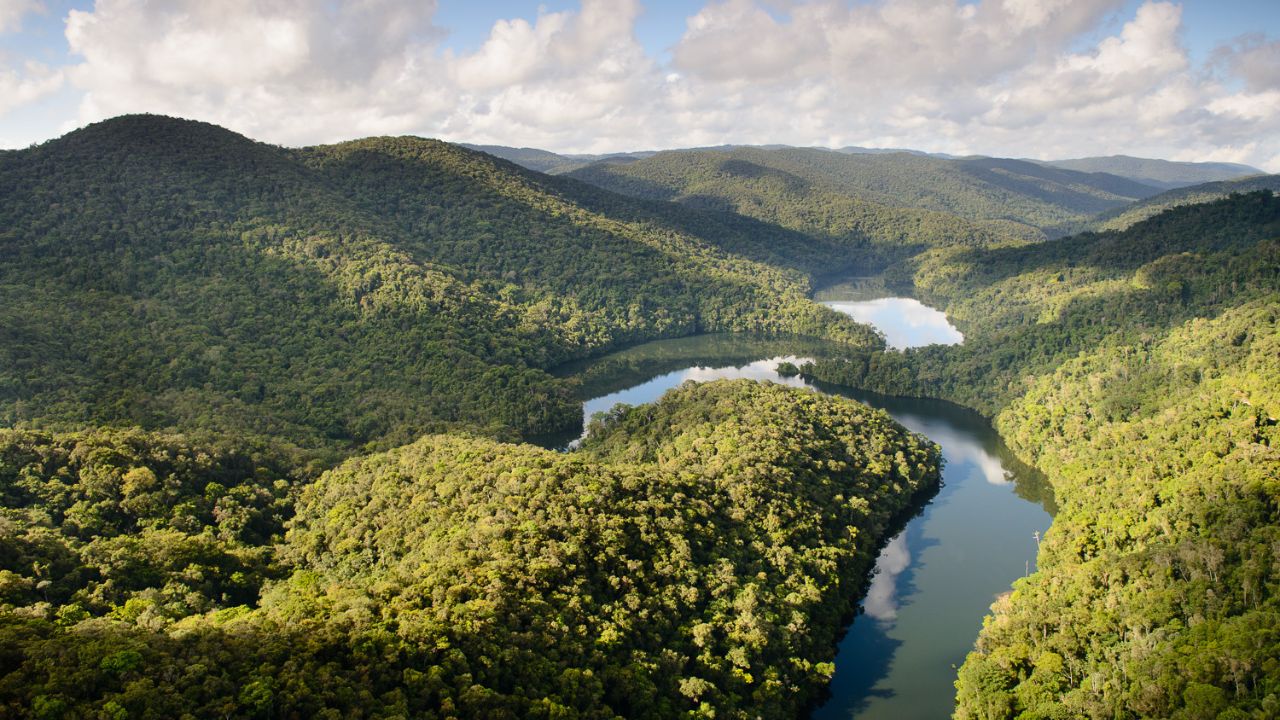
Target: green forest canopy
<point>697,557</point>
<point>1139,370</point>
<point>172,274</point>
<point>265,312</point>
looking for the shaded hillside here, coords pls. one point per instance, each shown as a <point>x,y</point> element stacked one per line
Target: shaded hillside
<point>977,188</point>
<point>697,557</point>
<point>1138,370</point>
<point>546,161</point>
<point>1125,217</point>
<point>1165,174</point>
<point>897,203</point>
<point>169,273</point>
<point>543,161</point>
<point>733,181</point>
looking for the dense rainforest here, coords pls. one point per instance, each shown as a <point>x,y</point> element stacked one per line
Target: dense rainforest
<point>1165,174</point>
<point>259,413</point>
<point>1139,369</point>
<point>695,558</point>
<point>172,274</point>
<point>1122,218</point>
<point>884,206</point>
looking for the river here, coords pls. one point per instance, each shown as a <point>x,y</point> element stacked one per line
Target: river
<point>935,578</point>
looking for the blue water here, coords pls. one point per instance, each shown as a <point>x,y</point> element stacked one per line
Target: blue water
<point>934,580</point>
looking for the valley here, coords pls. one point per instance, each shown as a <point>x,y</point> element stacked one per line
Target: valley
<point>332,431</point>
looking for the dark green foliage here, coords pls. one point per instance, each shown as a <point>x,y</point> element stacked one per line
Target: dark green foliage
<point>1122,218</point>
<point>884,206</point>
<point>763,184</point>
<point>1139,370</point>
<point>168,273</point>
<point>1158,173</point>
<point>694,559</point>
<point>1026,309</point>
<point>151,528</point>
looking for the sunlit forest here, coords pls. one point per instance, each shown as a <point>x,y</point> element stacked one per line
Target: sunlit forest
<point>267,419</point>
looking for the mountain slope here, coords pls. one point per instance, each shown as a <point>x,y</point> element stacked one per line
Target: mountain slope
<point>1139,370</point>
<point>169,273</point>
<point>791,197</point>
<point>896,203</point>
<point>1125,217</point>
<point>1165,174</point>
<point>696,557</point>
<point>546,161</point>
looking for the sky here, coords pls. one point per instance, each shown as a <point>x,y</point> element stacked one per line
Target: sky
<point>1193,80</point>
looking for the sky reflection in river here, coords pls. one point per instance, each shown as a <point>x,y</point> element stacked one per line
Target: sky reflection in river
<point>936,578</point>
<point>881,601</point>
<point>905,322</point>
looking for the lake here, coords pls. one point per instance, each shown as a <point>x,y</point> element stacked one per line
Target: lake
<point>937,576</point>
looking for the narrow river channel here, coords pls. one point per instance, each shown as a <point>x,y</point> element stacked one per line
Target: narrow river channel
<point>936,578</point>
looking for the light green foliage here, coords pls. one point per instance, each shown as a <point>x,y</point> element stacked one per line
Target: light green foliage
<point>1156,593</point>
<point>1139,370</point>
<point>696,557</point>
<point>151,528</point>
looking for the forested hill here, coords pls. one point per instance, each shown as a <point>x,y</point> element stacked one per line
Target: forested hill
<point>695,559</point>
<point>549,162</point>
<point>173,274</point>
<point>1122,218</point>
<point>1158,173</point>
<point>895,201</point>
<point>1139,370</point>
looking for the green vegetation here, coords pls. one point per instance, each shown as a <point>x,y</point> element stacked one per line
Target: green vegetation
<point>1125,217</point>
<point>1139,370</point>
<point>264,314</point>
<point>745,181</point>
<point>883,206</point>
<point>1156,595</point>
<point>171,274</point>
<point>1158,173</point>
<point>123,523</point>
<point>695,559</point>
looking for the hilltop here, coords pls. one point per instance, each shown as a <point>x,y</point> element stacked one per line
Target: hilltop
<point>892,201</point>
<point>1164,174</point>
<point>173,274</point>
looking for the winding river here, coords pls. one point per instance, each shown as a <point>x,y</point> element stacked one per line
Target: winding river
<point>935,579</point>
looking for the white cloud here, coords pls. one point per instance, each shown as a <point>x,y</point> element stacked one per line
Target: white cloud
<point>1010,77</point>
<point>12,12</point>
<point>282,70</point>
<point>1253,59</point>
<point>20,87</point>
<point>881,601</point>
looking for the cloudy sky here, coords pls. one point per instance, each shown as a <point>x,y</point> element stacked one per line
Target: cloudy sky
<point>1196,80</point>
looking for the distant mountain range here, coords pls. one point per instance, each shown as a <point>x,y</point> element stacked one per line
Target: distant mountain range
<point>1164,174</point>
<point>1160,174</point>
<point>884,197</point>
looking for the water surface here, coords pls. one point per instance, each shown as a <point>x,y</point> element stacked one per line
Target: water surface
<point>905,322</point>
<point>934,579</point>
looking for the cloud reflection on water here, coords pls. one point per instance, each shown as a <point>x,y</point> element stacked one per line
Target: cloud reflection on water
<point>881,601</point>
<point>905,322</point>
